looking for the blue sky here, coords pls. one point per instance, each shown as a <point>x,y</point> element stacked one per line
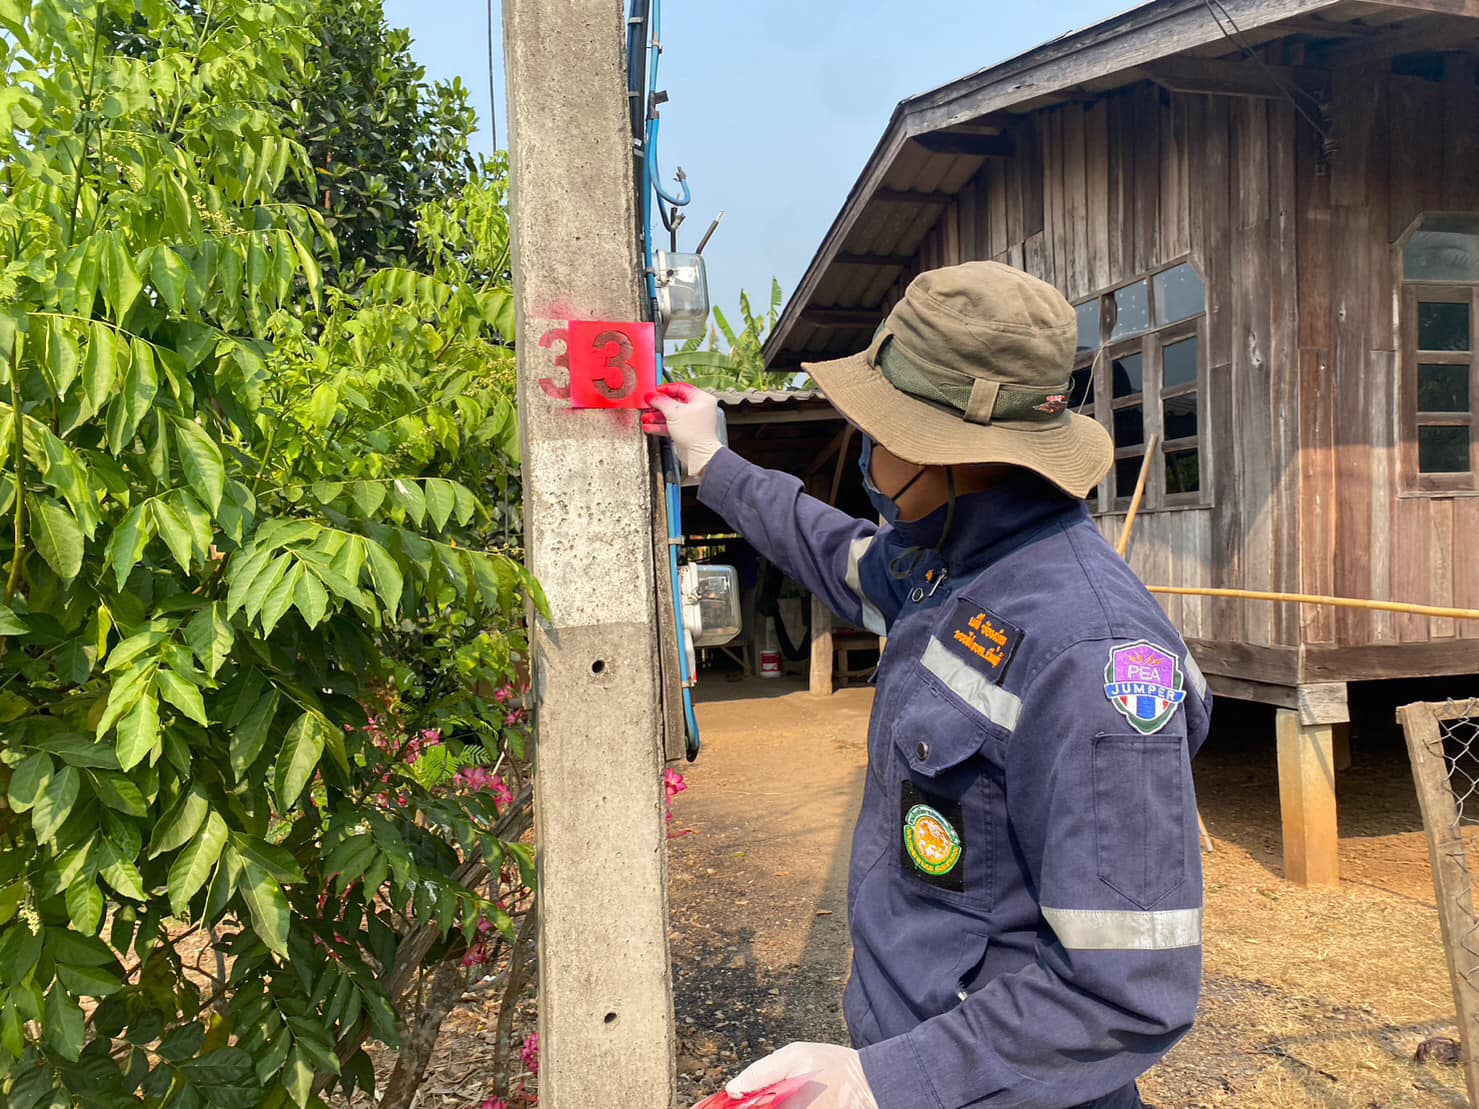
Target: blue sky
<point>775,104</point>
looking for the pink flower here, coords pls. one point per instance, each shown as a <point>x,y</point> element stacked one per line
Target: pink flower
<point>475,956</point>
<point>431,736</point>
<point>485,926</point>
<point>503,797</point>
<point>529,1053</point>
<point>504,695</point>
<point>473,778</point>
<point>673,783</point>
<point>514,719</point>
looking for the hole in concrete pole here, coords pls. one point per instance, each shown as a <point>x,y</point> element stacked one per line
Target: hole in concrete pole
<point>599,666</point>
<point>610,1018</point>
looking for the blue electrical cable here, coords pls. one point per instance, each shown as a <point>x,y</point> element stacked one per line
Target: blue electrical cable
<point>650,185</point>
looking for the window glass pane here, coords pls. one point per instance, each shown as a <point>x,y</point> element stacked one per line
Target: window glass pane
<point>1179,294</point>
<point>1129,426</point>
<point>1443,450</point>
<point>1126,474</point>
<point>1088,325</point>
<point>1180,416</point>
<point>1442,326</point>
<point>1183,472</point>
<point>1442,388</point>
<point>1128,375</point>
<point>1132,306</point>
<point>1081,397</point>
<point>1179,363</point>
<point>1446,248</point>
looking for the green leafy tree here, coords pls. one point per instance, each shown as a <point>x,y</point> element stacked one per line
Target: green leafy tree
<point>382,141</point>
<point>742,365</point>
<point>256,647</point>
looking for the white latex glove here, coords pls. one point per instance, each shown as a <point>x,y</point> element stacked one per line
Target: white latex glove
<point>690,417</point>
<point>835,1073</point>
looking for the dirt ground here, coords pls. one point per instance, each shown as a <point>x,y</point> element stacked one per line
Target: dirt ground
<point>1311,997</point>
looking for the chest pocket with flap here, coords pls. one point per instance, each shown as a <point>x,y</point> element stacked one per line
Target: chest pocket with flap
<point>945,780</point>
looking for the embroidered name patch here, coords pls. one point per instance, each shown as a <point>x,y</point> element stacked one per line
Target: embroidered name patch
<point>982,638</point>
<point>1144,683</point>
<point>933,843</point>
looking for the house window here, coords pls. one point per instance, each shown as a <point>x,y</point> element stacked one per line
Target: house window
<point>1141,350</point>
<point>1440,332</point>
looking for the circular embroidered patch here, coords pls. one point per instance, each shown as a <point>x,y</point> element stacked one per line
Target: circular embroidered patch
<point>931,842</point>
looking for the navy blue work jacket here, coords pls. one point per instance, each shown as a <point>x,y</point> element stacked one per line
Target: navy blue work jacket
<point>1025,892</point>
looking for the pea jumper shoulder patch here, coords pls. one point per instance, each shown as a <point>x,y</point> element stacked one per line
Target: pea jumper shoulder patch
<point>1145,684</point>
<point>933,841</point>
<point>982,638</point>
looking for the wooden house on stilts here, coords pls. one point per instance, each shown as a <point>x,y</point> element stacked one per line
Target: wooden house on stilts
<point>1267,214</point>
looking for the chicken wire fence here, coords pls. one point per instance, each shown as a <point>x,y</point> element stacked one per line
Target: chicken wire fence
<point>1443,741</point>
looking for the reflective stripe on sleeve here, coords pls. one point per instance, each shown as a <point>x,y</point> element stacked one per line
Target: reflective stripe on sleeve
<point>872,618</point>
<point>1194,673</point>
<point>1103,930</point>
<point>971,686</point>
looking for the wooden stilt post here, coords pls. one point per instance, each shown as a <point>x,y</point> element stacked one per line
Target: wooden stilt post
<point>821,648</point>
<point>1342,741</point>
<point>1307,801</point>
<point>605,1002</point>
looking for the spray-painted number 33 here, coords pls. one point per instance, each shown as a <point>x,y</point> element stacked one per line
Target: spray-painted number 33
<point>611,365</point>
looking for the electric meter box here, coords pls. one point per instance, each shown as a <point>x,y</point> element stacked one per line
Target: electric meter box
<point>711,603</point>
<point>682,294</point>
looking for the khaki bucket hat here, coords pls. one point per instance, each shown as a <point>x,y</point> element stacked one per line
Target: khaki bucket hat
<point>974,365</point>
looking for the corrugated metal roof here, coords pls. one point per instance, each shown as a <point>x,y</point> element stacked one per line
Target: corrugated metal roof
<point>770,397</point>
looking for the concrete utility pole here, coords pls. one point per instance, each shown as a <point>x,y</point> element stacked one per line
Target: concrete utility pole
<point>605,1011</point>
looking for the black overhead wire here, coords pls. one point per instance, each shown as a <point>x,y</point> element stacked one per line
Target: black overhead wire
<point>1218,13</point>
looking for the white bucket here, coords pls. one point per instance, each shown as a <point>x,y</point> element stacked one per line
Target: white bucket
<point>770,664</point>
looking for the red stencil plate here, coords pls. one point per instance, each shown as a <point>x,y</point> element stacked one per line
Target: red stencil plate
<point>612,365</point>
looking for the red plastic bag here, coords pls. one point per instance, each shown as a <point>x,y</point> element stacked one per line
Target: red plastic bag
<point>771,1097</point>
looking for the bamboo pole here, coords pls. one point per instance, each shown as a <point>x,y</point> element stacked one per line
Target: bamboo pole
<point>1124,543</point>
<point>1311,599</point>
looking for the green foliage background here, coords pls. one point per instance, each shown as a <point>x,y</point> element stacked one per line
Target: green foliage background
<point>245,508</point>
<point>742,365</point>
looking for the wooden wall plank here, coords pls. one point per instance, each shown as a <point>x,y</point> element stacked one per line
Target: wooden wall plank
<point>1096,199</point>
<point>1412,576</point>
<point>997,191</point>
<point>1075,275</point>
<point>1460,133</point>
<point>1465,563</point>
<point>1284,393</point>
<point>1121,186</point>
<point>1380,315</point>
<point>1147,191</point>
<point>966,203</point>
<point>1173,232</point>
<point>1441,508</point>
<point>1031,157</point>
<point>1317,391</point>
<point>1055,210</point>
<point>1355,96</point>
<point>947,232</point>
<point>1216,191</point>
<point>1417,162</point>
<point>1226,615</point>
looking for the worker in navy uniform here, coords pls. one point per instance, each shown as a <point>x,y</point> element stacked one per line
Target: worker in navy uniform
<point>1025,894</point>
